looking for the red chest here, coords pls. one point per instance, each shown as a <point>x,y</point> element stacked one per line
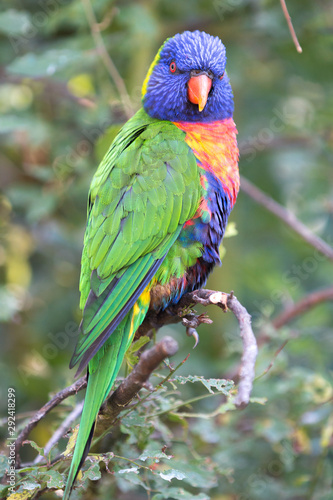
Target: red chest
<point>215,146</point>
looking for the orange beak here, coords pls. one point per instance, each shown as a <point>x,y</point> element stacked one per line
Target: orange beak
<point>198,89</point>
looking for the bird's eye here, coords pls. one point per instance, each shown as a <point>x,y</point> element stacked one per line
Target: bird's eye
<point>221,77</point>
<point>173,67</point>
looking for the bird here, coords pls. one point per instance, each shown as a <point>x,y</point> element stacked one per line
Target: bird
<point>158,206</point>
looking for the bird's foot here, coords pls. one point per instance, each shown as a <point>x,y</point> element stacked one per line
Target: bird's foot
<point>191,322</point>
<point>191,332</point>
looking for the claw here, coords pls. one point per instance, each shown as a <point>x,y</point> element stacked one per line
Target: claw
<point>191,332</point>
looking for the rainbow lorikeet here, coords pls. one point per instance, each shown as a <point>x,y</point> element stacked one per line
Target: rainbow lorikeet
<point>157,210</point>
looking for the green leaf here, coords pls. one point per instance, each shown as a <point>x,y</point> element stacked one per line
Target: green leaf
<point>259,401</point>
<point>37,129</point>
<point>34,203</point>
<point>46,64</point>
<point>26,490</point>
<point>103,142</point>
<point>153,452</point>
<point>71,442</point>
<point>23,495</point>
<point>3,490</point>
<point>128,477</point>
<point>133,419</point>
<point>30,485</point>
<point>36,447</point>
<point>129,470</point>
<point>55,480</point>
<point>14,22</point>
<point>131,358</point>
<point>91,469</point>
<point>231,230</point>
<point>221,385</point>
<point>179,494</point>
<point>196,474</point>
<point>9,304</point>
<point>172,474</point>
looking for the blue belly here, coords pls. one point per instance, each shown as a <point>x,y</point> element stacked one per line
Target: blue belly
<point>204,234</point>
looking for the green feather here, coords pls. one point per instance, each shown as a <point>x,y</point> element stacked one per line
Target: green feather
<point>143,192</point>
<point>102,373</point>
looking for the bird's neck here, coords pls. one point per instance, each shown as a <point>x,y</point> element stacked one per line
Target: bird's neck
<point>215,147</point>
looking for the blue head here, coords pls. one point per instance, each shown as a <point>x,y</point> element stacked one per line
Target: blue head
<point>187,80</point>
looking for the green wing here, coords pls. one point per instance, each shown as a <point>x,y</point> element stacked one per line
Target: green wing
<point>142,194</point>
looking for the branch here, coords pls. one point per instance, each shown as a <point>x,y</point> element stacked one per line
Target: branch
<point>95,29</point>
<point>289,314</point>
<point>179,312</point>
<point>287,217</point>
<point>130,387</point>
<point>55,401</point>
<point>290,26</point>
<point>302,305</point>
<point>250,351</point>
<point>61,431</point>
<point>151,358</point>
<point>271,364</point>
<point>120,398</point>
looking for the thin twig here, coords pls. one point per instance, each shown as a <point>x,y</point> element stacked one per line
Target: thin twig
<point>56,400</point>
<point>95,28</point>
<point>122,396</point>
<point>289,314</point>
<point>61,431</point>
<point>250,351</point>
<point>290,26</point>
<point>302,305</point>
<point>287,217</point>
<point>271,364</point>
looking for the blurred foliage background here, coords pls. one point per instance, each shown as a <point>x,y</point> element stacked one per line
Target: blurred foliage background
<point>60,108</point>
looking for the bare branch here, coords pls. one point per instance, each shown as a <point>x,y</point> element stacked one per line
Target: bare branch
<point>95,29</point>
<point>250,351</point>
<point>289,314</point>
<point>55,401</point>
<point>271,364</point>
<point>287,217</point>
<point>148,362</point>
<point>174,314</point>
<point>290,26</point>
<point>302,305</point>
<point>120,398</point>
<point>151,358</point>
<point>61,431</point>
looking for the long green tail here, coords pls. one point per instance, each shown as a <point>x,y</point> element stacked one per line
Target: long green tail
<point>103,370</point>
